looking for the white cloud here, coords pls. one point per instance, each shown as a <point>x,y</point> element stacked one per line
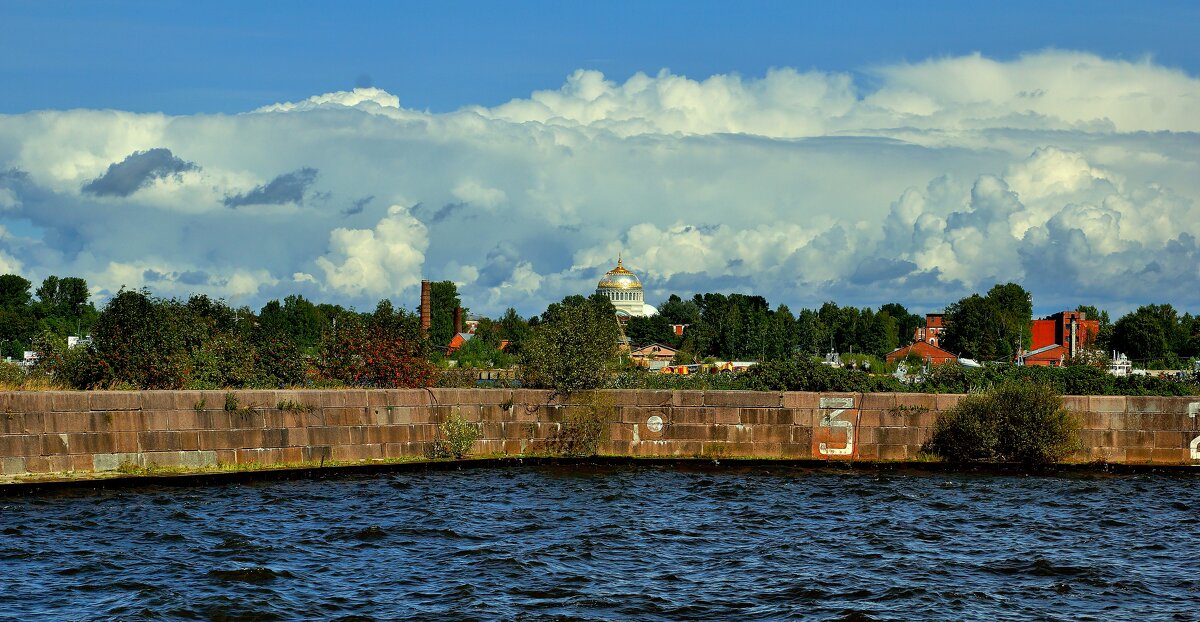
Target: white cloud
<point>379,261</point>
<point>1068,172</point>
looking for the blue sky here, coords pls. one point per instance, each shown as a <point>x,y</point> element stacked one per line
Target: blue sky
<point>859,152</point>
<point>184,57</point>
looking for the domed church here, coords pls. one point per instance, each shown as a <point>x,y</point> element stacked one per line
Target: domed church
<point>624,289</point>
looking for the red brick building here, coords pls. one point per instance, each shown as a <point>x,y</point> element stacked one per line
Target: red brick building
<point>928,352</point>
<point>931,333</point>
<point>1069,329</point>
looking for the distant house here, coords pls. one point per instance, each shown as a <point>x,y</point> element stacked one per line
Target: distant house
<point>457,342</point>
<point>654,352</point>
<point>931,332</point>
<point>928,353</point>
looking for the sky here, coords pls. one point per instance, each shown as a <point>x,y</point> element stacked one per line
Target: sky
<point>859,152</point>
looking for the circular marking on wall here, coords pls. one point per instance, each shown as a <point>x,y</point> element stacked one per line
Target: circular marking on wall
<point>654,423</point>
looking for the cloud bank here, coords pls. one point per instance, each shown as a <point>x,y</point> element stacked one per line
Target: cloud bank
<point>1072,174</point>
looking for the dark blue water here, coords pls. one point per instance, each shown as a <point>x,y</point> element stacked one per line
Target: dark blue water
<point>612,542</point>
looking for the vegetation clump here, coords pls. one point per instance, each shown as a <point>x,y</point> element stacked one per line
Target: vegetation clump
<point>457,437</point>
<point>585,427</point>
<point>1023,423</point>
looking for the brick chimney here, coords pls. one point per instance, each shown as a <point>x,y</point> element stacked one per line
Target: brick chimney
<point>425,312</point>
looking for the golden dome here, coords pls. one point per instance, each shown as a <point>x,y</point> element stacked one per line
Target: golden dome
<point>619,278</point>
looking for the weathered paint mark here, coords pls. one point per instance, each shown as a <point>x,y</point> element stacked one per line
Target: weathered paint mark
<point>837,402</point>
<point>831,421</point>
<point>654,423</point>
<point>1193,410</point>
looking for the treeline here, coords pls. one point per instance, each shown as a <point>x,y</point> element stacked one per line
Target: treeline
<point>743,327</point>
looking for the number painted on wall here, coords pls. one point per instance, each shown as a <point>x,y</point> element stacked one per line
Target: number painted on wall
<point>831,421</point>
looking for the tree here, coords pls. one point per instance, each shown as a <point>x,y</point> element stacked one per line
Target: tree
<point>992,327</point>
<point>14,292</point>
<point>644,331</point>
<point>443,301</point>
<point>144,341</point>
<point>574,347</point>
<point>1140,336</point>
<point>906,323</point>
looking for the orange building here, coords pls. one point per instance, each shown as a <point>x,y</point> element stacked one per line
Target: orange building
<point>931,332</point>
<point>928,352</point>
<point>1069,329</point>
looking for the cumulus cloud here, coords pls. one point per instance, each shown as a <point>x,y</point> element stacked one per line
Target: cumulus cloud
<point>1073,174</point>
<point>379,261</point>
<point>286,188</point>
<point>137,171</point>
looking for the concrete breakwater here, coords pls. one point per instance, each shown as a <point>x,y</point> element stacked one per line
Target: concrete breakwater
<point>49,433</point>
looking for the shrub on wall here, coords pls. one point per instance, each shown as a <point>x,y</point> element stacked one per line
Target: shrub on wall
<point>1022,422</point>
<point>457,437</point>
<point>585,427</point>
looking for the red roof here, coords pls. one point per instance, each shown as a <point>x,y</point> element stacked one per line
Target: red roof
<point>926,351</point>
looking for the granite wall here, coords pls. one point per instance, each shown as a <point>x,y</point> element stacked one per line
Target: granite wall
<point>47,433</point>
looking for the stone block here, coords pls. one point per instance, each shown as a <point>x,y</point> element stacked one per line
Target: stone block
<point>689,415</point>
<point>1107,403</point>
<point>1144,404</point>
<point>776,434</point>
<point>163,459</point>
<point>867,451</point>
<point>770,416</point>
<point>946,401</point>
<point>687,398</point>
<point>318,453</point>
<point>102,400</point>
<point>916,401</point>
<point>893,452</point>
<point>870,418</point>
<point>247,419</point>
<point>796,451</point>
<point>1171,439</point>
<point>621,431</point>
<point>1138,455</point>
<point>725,415</point>
<point>69,401</point>
<point>161,441</point>
<point>702,432</point>
<point>743,399</point>
<point>1075,403</point>
<point>734,433</point>
<point>898,436</point>
<point>864,435</point>
<point>878,401</point>
<point>648,397</point>
<point>805,417</point>
<point>226,456</point>
<point>28,423</point>
<point>11,465</point>
<point>219,439</point>
<point>1170,456</point>
<point>801,399</point>
<point>30,401</point>
<point>57,464</point>
<point>92,443</point>
<point>55,444</point>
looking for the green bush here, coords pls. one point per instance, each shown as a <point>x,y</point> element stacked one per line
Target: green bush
<point>586,426</point>
<point>1022,422</point>
<point>457,438</point>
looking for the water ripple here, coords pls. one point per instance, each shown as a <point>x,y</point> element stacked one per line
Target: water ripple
<point>565,543</point>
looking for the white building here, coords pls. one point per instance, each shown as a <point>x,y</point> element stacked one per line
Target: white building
<point>624,289</point>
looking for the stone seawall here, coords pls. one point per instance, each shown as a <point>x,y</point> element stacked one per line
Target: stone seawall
<point>49,433</point>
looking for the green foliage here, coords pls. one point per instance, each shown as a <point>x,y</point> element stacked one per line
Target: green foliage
<point>574,348</point>
<point>807,374</point>
<point>294,407</point>
<point>11,375</point>
<point>231,403</point>
<point>483,352</point>
<point>457,437</point>
<point>585,426</point>
<point>443,300</point>
<point>1014,422</point>
<point>992,327</point>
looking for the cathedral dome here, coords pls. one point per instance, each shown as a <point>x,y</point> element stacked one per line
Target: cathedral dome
<point>619,278</point>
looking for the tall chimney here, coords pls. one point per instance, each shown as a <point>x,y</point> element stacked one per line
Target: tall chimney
<point>457,320</point>
<point>1074,334</point>
<point>425,312</point>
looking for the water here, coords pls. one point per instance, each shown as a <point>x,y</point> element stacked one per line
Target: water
<point>612,542</point>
